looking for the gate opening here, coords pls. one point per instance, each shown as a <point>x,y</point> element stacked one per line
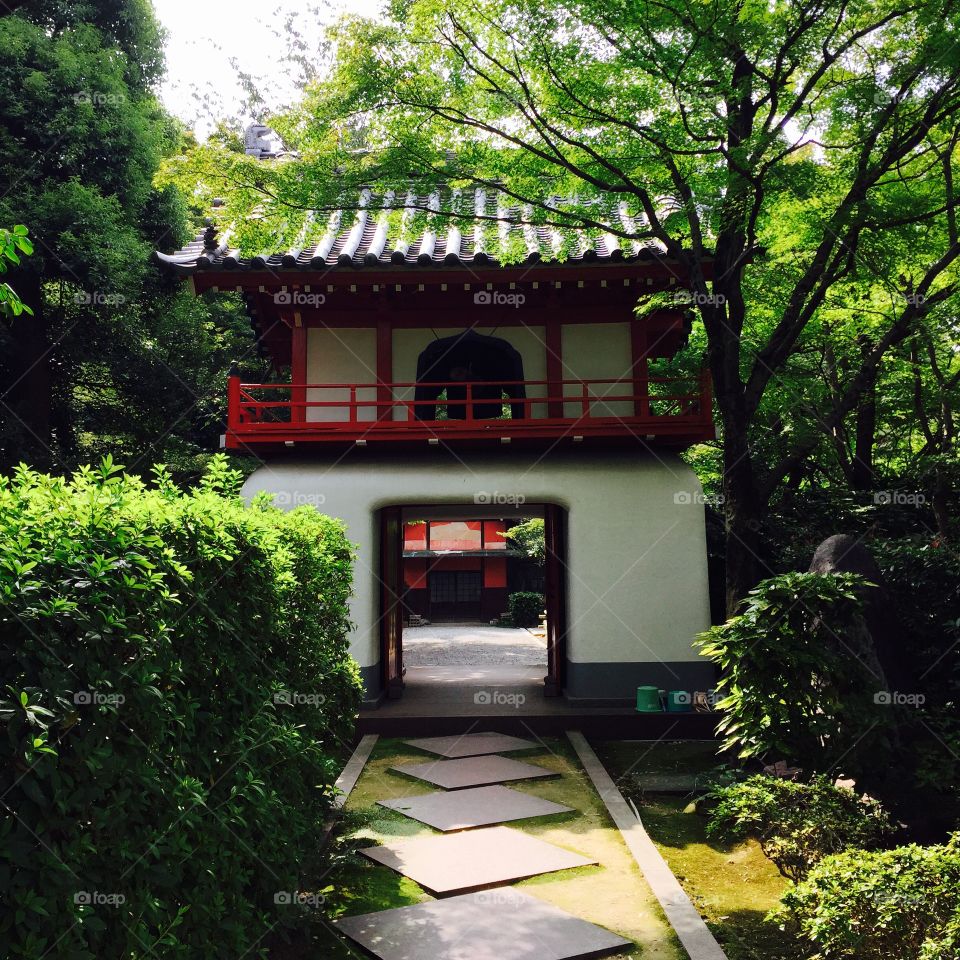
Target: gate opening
<point>448,577</point>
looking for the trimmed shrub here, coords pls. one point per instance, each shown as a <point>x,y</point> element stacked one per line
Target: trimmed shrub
<point>795,680</point>
<point>797,824</point>
<point>901,904</point>
<point>525,608</point>
<point>178,691</point>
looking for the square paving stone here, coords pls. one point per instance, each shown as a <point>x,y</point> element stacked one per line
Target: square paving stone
<point>473,771</point>
<point>474,807</point>
<point>471,744</point>
<point>495,925</point>
<point>461,862</point>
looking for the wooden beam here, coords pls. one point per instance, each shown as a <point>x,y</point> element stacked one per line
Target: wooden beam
<point>641,368</point>
<point>554,345</point>
<point>384,366</point>
<point>298,371</point>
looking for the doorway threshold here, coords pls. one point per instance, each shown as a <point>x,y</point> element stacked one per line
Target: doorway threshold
<point>510,699</point>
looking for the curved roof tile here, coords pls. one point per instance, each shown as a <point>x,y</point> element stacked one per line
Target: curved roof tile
<point>369,236</point>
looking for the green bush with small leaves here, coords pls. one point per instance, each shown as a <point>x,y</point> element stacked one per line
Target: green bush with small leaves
<point>177,696</point>
<point>525,607</point>
<point>795,679</point>
<point>797,824</point>
<point>900,904</point>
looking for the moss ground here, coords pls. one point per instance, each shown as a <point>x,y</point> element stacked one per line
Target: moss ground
<point>732,885</point>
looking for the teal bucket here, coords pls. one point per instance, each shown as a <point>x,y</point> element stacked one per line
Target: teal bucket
<point>679,701</point>
<point>648,700</point>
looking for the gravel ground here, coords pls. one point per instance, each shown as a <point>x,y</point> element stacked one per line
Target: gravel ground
<point>452,644</point>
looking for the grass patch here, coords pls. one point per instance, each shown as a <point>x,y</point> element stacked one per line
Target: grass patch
<point>732,885</point>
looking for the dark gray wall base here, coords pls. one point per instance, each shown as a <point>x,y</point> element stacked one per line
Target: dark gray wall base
<point>615,684</point>
<point>372,690</point>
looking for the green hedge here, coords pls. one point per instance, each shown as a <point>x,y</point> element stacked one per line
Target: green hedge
<point>525,608</point>
<point>901,904</point>
<point>797,824</point>
<point>178,695</point>
<point>795,677</point>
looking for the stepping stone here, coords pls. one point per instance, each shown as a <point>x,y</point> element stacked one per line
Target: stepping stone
<point>471,744</point>
<point>481,926</point>
<point>461,862</point>
<point>473,771</point>
<point>667,782</point>
<point>474,807</point>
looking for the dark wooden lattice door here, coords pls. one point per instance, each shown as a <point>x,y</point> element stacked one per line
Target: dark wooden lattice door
<point>555,535</point>
<point>391,601</point>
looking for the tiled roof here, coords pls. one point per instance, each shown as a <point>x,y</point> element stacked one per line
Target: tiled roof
<point>406,229</point>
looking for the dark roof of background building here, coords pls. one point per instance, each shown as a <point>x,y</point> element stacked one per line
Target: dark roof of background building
<point>388,232</point>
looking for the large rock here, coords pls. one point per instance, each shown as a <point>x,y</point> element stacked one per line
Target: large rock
<point>883,651</point>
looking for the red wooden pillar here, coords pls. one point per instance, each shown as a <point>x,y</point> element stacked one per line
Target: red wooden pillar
<point>234,413</point>
<point>554,341</point>
<point>384,368</point>
<point>298,369</point>
<point>641,368</point>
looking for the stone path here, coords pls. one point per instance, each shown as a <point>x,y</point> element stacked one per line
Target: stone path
<point>474,859</point>
<point>446,645</point>
<point>460,927</point>
<point>475,807</point>
<point>473,771</point>
<point>473,746</point>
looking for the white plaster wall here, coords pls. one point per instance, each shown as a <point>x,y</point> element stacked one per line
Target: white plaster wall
<point>637,580</point>
<point>598,351</point>
<point>529,341</point>
<point>341,356</point>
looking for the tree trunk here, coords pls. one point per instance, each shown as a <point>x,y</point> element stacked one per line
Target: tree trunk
<point>743,510</point>
<point>29,393</point>
<point>939,503</point>
<point>861,476</point>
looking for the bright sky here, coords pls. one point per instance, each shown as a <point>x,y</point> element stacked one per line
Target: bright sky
<point>211,45</point>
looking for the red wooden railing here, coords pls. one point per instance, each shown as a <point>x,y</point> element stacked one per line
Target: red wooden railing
<point>273,412</point>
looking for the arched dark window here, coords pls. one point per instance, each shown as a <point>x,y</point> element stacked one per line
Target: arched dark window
<point>490,363</point>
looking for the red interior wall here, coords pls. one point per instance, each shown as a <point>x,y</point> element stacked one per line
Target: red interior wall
<point>495,572</point>
<point>415,573</point>
<point>493,531</point>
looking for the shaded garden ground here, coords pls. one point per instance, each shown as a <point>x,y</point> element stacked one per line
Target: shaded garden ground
<point>732,885</point>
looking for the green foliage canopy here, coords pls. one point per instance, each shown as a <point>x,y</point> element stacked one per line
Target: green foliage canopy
<point>178,695</point>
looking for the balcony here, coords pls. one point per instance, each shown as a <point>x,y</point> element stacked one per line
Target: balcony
<point>668,409</point>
